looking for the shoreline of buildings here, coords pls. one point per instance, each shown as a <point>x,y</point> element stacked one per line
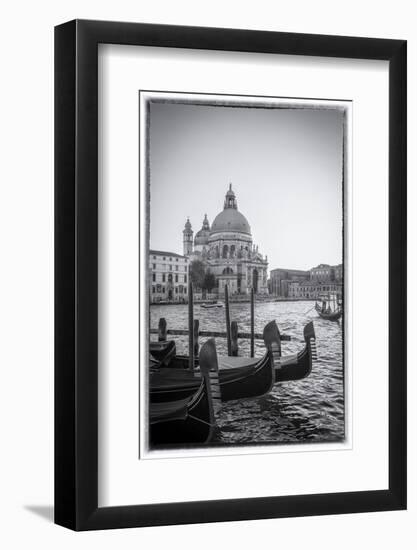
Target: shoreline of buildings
<point>235,300</point>
<point>226,252</point>
<point>169,276</point>
<point>312,283</point>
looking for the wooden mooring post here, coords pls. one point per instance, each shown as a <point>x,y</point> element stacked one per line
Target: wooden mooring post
<point>234,334</point>
<point>196,331</point>
<point>162,329</point>
<point>190,326</point>
<point>252,323</point>
<point>217,334</point>
<point>226,303</point>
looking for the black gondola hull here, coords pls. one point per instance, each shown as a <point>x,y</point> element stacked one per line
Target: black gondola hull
<point>177,382</point>
<point>296,369</point>
<point>163,352</point>
<point>196,428</point>
<point>188,421</point>
<point>235,383</point>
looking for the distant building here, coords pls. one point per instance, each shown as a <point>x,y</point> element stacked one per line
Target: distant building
<point>168,276</point>
<point>324,273</point>
<point>338,273</point>
<point>280,279</point>
<point>313,289</point>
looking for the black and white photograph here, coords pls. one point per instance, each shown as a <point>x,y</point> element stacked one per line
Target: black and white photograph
<point>246,270</point>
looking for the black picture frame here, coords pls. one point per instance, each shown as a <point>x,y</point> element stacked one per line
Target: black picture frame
<point>76,272</point>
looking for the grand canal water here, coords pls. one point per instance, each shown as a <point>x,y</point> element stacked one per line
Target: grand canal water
<point>309,410</point>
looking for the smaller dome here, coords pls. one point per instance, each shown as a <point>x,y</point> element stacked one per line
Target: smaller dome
<point>202,236</point>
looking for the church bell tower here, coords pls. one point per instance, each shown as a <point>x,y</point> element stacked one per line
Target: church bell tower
<point>188,238</point>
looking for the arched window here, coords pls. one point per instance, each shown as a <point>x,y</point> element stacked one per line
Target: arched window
<point>227,271</point>
<point>232,251</point>
<point>225,251</point>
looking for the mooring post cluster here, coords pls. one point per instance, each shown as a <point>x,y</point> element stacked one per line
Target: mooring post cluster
<point>232,333</point>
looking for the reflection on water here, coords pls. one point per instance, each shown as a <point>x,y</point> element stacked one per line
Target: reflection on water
<point>310,410</point>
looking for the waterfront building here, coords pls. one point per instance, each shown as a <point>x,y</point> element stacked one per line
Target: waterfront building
<point>313,290</point>
<point>168,276</point>
<point>324,273</point>
<point>338,272</point>
<point>280,278</point>
<point>227,250</point>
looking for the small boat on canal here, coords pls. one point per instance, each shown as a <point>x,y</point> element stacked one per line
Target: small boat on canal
<point>330,308</point>
<point>190,420</point>
<point>212,305</point>
<point>239,377</point>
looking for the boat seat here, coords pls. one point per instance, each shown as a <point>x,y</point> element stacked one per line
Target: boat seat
<point>167,376</point>
<point>288,359</point>
<point>226,362</point>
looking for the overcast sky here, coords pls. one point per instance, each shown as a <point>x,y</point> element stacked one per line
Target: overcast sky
<point>285,166</point>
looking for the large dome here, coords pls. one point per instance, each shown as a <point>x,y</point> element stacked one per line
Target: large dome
<point>230,220</point>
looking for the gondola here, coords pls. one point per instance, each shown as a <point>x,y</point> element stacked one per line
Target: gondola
<point>211,306</point>
<point>240,377</point>
<point>333,316</point>
<point>163,352</point>
<point>330,308</point>
<point>191,420</point>
<point>286,368</point>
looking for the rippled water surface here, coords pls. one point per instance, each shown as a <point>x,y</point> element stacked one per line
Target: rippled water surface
<point>308,410</point>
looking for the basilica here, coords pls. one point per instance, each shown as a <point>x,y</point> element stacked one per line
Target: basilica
<point>227,250</point>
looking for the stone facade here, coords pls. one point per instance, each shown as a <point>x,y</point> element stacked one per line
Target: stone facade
<point>168,276</point>
<point>280,279</point>
<point>324,273</point>
<point>227,250</point>
<point>313,290</point>
<point>306,283</point>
